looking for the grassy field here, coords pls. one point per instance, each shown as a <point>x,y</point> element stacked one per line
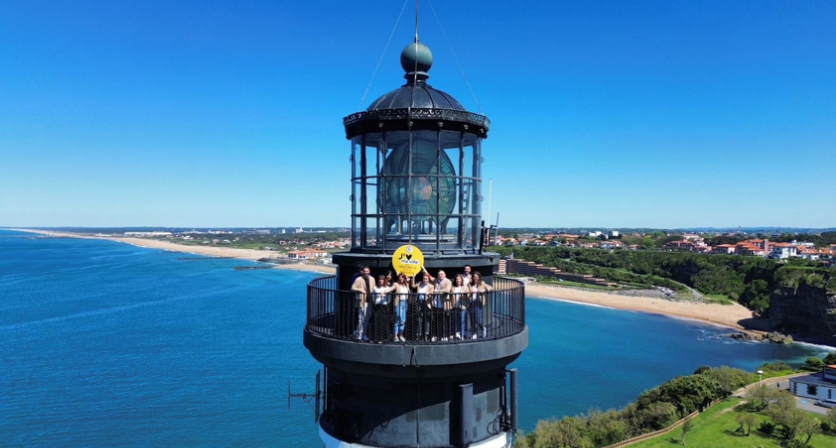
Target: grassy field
<point>715,427</point>
<point>576,284</point>
<point>721,299</point>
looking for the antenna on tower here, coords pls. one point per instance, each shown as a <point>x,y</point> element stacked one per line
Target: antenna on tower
<point>316,397</point>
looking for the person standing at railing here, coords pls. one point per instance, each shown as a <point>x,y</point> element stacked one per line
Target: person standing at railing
<point>420,314</point>
<point>441,290</point>
<point>458,298</point>
<point>478,300</point>
<point>362,286</point>
<point>402,291</point>
<point>380,321</point>
<point>467,277</point>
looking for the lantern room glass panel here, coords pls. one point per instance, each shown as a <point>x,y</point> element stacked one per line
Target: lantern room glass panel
<point>416,187</point>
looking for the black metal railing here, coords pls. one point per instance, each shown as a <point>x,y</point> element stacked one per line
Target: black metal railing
<point>447,318</point>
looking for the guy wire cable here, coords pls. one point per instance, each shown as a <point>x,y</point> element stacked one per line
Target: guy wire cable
<point>466,81</point>
<point>363,100</point>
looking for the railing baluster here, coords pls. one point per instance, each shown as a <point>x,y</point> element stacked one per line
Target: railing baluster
<point>334,313</point>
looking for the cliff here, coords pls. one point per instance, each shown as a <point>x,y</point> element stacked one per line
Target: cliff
<point>804,305</point>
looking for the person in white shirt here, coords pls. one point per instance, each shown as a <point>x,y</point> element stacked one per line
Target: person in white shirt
<point>478,300</point>
<point>458,299</point>
<point>401,298</point>
<point>467,277</point>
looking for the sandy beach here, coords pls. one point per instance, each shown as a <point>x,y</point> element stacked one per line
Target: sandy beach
<point>729,316</point>
<point>211,251</point>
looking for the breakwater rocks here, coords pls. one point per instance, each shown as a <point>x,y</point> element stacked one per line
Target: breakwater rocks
<point>745,337</point>
<point>251,268</point>
<point>778,338</point>
<point>774,337</point>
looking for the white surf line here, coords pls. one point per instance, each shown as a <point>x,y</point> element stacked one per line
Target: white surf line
<point>98,312</point>
<point>576,302</point>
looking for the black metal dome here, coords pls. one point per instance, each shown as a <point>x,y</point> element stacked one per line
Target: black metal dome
<point>416,105</point>
<point>420,95</point>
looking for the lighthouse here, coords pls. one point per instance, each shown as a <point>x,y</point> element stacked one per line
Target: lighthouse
<point>419,366</point>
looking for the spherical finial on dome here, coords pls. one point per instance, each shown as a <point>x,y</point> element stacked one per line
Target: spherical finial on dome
<point>416,55</point>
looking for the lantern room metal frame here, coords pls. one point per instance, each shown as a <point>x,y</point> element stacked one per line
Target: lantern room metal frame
<point>381,222</point>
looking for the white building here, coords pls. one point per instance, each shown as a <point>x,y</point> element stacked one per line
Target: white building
<point>782,251</point>
<point>819,386</point>
<point>594,234</point>
<point>614,234</point>
<point>809,254</point>
<point>147,234</point>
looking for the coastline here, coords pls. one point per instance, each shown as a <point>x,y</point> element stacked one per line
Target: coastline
<point>209,251</point>
<point>727,316</point>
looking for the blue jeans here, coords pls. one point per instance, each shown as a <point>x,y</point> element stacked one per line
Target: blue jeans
<point>400,317</point>
<point>362,323</point>
<point>474,309</point>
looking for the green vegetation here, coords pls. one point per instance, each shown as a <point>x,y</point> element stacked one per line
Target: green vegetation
<point>729,425</point>
<point>654,410</point>
<point>767,418</point>
<point>721,299</point>
<point>747,280</point>
<point>574,284</point>
<point>553,281</point>
<point>773,369</point>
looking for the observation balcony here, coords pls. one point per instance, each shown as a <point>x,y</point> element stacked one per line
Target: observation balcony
<point>439,329</point>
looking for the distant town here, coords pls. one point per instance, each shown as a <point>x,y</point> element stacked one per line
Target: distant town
<point>782,247</point>
<point>318,243</point>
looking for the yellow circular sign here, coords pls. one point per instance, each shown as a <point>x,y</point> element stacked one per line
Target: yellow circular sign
<point>408,260</point>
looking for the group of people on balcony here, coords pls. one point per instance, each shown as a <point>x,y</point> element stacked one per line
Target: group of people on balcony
<point>420,308</point>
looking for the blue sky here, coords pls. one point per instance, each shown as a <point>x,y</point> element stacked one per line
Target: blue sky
<point>605,113</point>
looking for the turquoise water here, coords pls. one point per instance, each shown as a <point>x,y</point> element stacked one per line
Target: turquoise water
<point>106,344</point>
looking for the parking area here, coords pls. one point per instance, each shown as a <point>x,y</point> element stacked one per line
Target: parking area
<point>805,404</point>
<point>808,404</point>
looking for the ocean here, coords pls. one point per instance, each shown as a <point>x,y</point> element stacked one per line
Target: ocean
<point>109,345</point>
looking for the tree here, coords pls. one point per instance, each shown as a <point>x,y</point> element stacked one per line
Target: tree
<point>686,428</point>
<point>809,426</point>
<point>785,414</point>
<point>814,364</point>
<point>564,433</point>
<point>605,428</point>
<point>729,379</point>
<point>690,393</point>
<point>831,415</point>
<point>756,296</point>
<point>523,440</point>
<point>746,420</point>
<point>702,370</point>
<point>830,359</point>
<point>760,397</point>
<point>655,416</point>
